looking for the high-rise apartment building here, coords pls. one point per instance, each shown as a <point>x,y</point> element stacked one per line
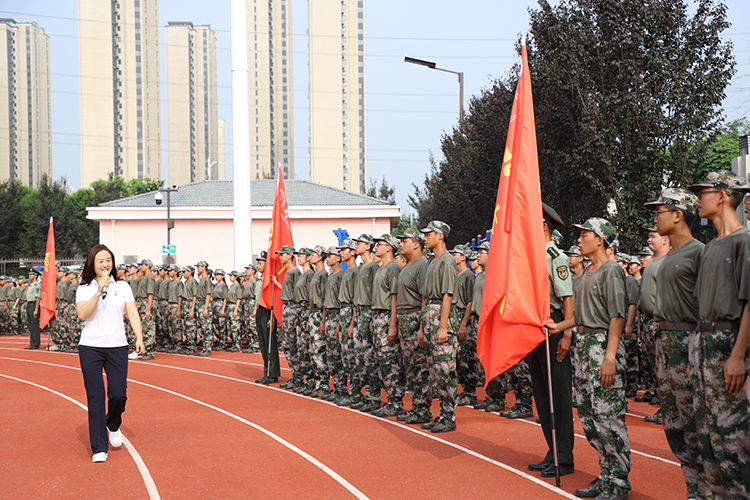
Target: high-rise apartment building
<point>222,139</point>
<point>25,126</point>
<point>192,121</point>
<point>119,78</point>
<point>337,94</point>
<point>269,47</point>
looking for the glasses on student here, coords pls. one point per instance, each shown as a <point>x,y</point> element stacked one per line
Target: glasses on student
<point>664,211</point>
<point>700,194</point>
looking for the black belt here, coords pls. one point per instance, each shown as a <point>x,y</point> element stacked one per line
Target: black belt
<point>433,301</point>
<point>678,326</point>
<point>592,331</point>
<point>332,309</point>
<point>381,311</point>
<point>710,326</point>
<point>347,304</point>
<point>408,310</point>
<point>314,309</point>
<point>363,307</point>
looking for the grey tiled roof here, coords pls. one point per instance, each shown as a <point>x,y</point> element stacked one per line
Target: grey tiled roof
<point>220,194</point>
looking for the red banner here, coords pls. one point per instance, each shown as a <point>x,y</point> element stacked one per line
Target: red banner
<point>515,302</point>
<point>49,280</point>
<point>279,235</point>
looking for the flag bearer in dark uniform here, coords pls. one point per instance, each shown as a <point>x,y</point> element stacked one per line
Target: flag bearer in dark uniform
<point>266,337</point>
<point>33,300</point>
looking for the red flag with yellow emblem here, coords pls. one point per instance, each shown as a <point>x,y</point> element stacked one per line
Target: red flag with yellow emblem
<point>279,235</point>
<point>515,302</point>
<point>49,280</point>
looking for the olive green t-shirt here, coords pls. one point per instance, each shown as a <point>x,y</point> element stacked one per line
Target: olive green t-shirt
<point>317,289</point>
<point>409,284</point>
<point>162,290</point>
<point>558,272</point>
<point>174,291</point>
<point>235,293</point>
<point>249,289</point>
<point>333,286</point>
<point>440,278</point>
<point>219,291</point>
<point>287,285</point>
<point>135,284</point>
<point>476,296</point>
<point>675,284</point>
<point>363,288</point>
<point>723,284</point>
<point>302,287</point>
<point>72,290</point>
<point>464,290</point>
<point>205,288</point>
<point>190,290</point>
<point>601,296</point>
<point>575,281</point>
<point>648,287</point>
<point>632,291</point>
<point>384,285</point>
<point>60,293</point>
<point>346,288</point>
<point>146,287</point>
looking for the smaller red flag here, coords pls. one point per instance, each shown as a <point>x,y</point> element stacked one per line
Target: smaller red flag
<point>49,280</point>
<point>279,235</point>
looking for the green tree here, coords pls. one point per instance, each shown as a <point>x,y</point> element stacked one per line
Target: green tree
<point>11,217</point>
<point>384,192</point>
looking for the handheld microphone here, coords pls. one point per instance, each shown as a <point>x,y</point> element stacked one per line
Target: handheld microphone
<point>105,274</point>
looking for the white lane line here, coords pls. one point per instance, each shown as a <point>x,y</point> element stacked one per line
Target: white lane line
<point>335,476</point>
<point>153,493</point>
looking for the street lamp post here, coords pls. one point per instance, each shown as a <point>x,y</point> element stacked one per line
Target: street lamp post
<point>158,198</point>
<point>460,74</point>
<point>208,168</point>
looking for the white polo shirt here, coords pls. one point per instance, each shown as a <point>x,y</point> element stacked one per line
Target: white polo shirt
<point>105,327</point>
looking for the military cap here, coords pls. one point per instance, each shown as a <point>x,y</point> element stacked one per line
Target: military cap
<point>646,251</point>
<point>485,245</point>
<point>551,213</point>
<point>600,227</point>
<point>615,245</point>
<point>120,267</point>
<point>303,251</point>
<point>557,237</point>
<point>147,262</point>
<point>3,277</point>
<point>174,267</point>
<point>188,268</point>
<point>254,268</point>
<point>34,271</point>
<point>462,250</point>
<point>72,271</point>
<point>391,240</point>
<point>473,256</point>
<point>429,253</point>
<point>165,267</point>
<point>413,234</point>
<point>652,229</point>
<point>332,251</point>
<point>286,249</point>
<point>347,244</point>
<point>60,269</point>
<point>436,226</point>
<point>133,264</point>
<point>574,250</point>
<point>318,249</point>
<point>236,274</point>
<point>202,263</point>
<point>634,259</point>
<point>678,198</point>
<point>745,188</point>
<point>210,272</point>
<point>723,179</point>
<point>263,255</point>
<point>365,238</point>
<point>622,257</point>
<point>219,271</point>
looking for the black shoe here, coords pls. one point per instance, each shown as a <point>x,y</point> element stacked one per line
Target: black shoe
<point>467,399</point>
<point>655,418</point>
<point>189,352</point>
<point>495,405</point>
<point>646,397</point>
<point>430,425</point>
<point>630,393</point>
<point>518,411</point>
<point>263,380</point>
<point>655,400</point>
<point>389,410</point>
<point>286,385</point>
<point>31,348</point>
<point>565,469</point>
<point>273,380</point>
<point>540,466</point>
<point>405,415</point>
<point>357,404</point>
<point>203,353</point>
<point>443,424</point>
<point>419,417</point>
<point>592,490</point>
<point>483,404</point>
<point>370,406</point>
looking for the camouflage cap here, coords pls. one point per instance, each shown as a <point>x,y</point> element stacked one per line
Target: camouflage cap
<point>473,255</point>
<point>723,179</point>
<point>634,259</point>
<point>413,234</point>
<point>574,250</point>
<point>557,237</point>
<point>615,245</point>
<point>120,267</point>
<point>318,249</point>
<point>601,227</point>
<point>303,251</point>
<point>485,245</point>
<point>646,251</point>
<point>622,257</point>
<point>332,251</point>
<point>678,198</point>
<point>391,240</point>
<point>236,274</point>
<point>250,266</point>
<point>133,264</point>
<point>202,263</point>
<point>63,269</point>
<point>263,255</point>
<point>174,267</point>
<point>551,213</point>
<point>73,271</point>
<point>436,226</point>
<point>147,262</point>
<point>365,238</point>
<point>188,268</point>
<point>347,244</point>
<point>219,271</point>
<point>428,253</point>
<point>461,250</point>
<point>652,229</point>
<point>210,272</point>
<point>286,249</point>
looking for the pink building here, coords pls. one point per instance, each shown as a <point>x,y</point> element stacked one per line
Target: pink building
<point>136,228</point>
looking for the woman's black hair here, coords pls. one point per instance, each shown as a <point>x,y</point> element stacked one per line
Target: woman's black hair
<point>88,267</point>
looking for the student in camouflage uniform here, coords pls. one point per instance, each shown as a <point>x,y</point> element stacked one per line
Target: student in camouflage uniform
<point>416,355</point>
<point>23,284</point>
<point>173,314</point>
<point>219,304</point>
<point>440,324</point>
<point>719,359</point>
<point>57,324</point>
<point>144,297</point>
<point>468,366</point>
<point>161,299</point>
<point>233,311</point>
<point>676,311</point>
<point>316,296</point>
<point>384,327</point>
<point>202,310</point>
<point>288,311</point>
<point>347,252</point>
<point>5,290</point>
<point>74,323</point>
<point>249,326</point>
<point>600,312</point>
<point>630,335</point>
<point>11,311</point>
<point>331,320</point>
<point>366,367</point>
<point>301,298</point>
<point>189,310</point>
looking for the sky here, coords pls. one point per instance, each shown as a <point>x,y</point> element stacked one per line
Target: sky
<point>409,107</point>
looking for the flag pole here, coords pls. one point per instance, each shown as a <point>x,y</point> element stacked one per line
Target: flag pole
<point>553,425</point>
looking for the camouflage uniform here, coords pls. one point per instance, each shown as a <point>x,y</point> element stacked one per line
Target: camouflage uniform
<point>161,301</point>
<point>649,328</point>
<point>301,298</point>
<point>146,287</point>
<point>519,381</point>
<point>417,360</point>
<point>204,325</point>
<point>632,287</point>
<point>75,325</point>
<point>249,326</point>
<point>347,345</point>
<point>346,313</point>
<point>190,324</point>
<point>234,324</point>
<point>366,369</point>
<point>468,367</point>
<point>288,314</point>
<point>219,323</point>
<point>334,355</point>
<point>175,322</point>
<point>317,293</point>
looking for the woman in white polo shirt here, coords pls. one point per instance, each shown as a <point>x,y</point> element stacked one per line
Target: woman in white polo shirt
<point>101,300</point>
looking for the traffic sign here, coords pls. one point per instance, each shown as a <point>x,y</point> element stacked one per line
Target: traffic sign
<point>169,249</point>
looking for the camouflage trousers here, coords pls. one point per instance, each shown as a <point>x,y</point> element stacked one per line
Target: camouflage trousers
<point>22,320</point>
<point>174,324</point>
<point>443,373</point>
<point>366,366</point>
<point>632,363</point>
<point>55,325</point>
<point>191,327</point>
<point>318,350</point>
<point>677,408</point>
<point>334,354</point>
<point>161,323</point>
<point>4,319</point>
<point>148,326</point>
<point>468,367</point>
<point>649,332</point>
<point>602,411</point>
<point>219,323</point>
<point>75,325</point>
<point>518,379</point>
<point>417,361</point>
<point>205,326</point>
<point>14,321</point>
<point>389,359</point>
<point>289,337</point>
<point>234,325</point>
<point>722,419</point>
<point>347,344</point>
<point>249,327</point>
<point>303,342</point>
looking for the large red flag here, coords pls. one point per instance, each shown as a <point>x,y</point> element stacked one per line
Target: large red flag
<point>49,280</point>
<point>515,302</point>
<point>279,235</point>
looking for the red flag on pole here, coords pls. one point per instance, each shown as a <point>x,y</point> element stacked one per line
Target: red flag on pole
<point>49,280</point>
<point>515,302</point>
<point>279,235</point>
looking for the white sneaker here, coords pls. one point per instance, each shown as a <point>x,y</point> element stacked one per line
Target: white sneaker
<point>133,355</point>
<point>99,457</point>
<point>115,438</point>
